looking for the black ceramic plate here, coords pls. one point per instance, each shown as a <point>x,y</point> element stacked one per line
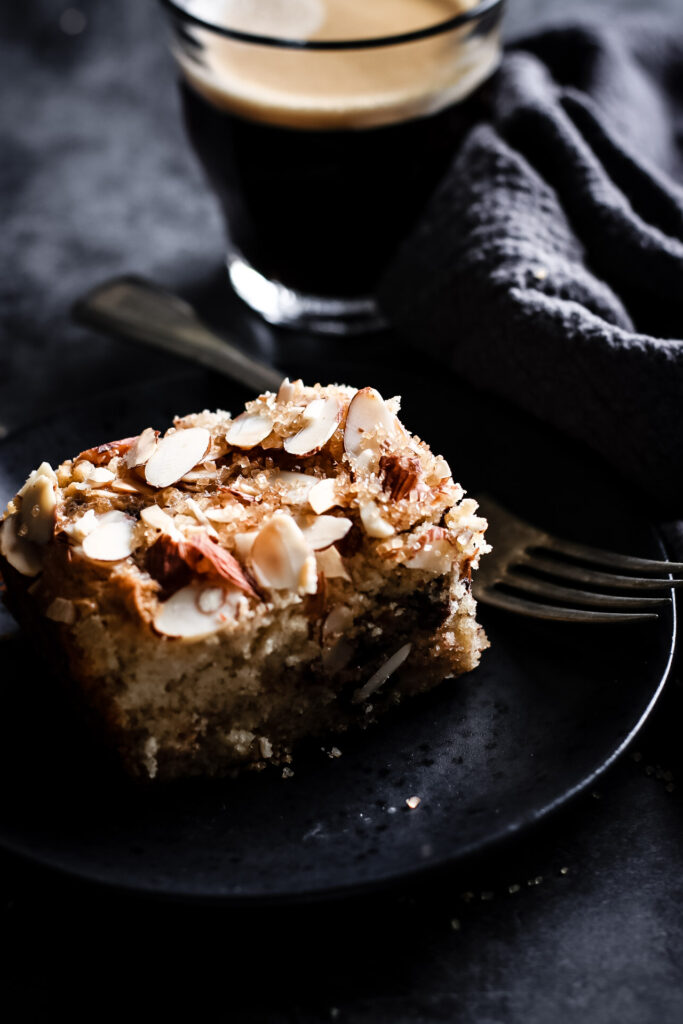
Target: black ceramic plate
<point>488,754</point>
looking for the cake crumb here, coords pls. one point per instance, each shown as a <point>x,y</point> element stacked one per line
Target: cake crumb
<point>413,802</point>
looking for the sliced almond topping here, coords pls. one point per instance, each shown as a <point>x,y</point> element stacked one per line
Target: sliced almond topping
<point>436,553</point>
<point>21,554</point>
<point>223,514</point>
<point>374,524</point>
<point>176,455</point>
<point>279,553</point>
<point>249,429</point>
<point>104,452</point>
<point>38,504</point>
<point>244,543</point>
<point>124,487</point>
<point>320,418</point>
<point>380,677</point>
<point>210,599</point>
<point>323,531</point>
<point>308,577</point>
<point>199,515</point>
<point>82,471</point>
<point>331,564</point>
<point>289,389</point>
<point>110,541</point>
<point>181,616</point>
<point>44,469</point>
<point>100,475</point>
<point>323,496</point>
<point>204,555</point>
<point>158,519</point>
<point>368,422</point>
<point>296,487</point>
<point>61,610</point>
<point>142,448</point>
<point>79,529</point>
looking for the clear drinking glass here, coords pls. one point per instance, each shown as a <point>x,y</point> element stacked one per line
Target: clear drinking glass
<point>323,126</point>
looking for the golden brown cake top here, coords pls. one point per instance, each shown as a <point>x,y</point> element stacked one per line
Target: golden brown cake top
<point>306,490</point>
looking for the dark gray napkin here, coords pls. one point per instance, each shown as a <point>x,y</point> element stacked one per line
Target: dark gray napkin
<point>548,267</point>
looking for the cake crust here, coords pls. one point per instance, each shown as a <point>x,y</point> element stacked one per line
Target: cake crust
<point>225,589</point>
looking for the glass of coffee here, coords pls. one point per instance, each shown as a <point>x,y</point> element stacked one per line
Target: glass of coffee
<point>323,127</point>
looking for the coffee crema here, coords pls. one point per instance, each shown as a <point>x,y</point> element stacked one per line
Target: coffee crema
<point>341,89</point>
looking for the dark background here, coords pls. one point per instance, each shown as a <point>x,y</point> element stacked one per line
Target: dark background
<point>579,921</point>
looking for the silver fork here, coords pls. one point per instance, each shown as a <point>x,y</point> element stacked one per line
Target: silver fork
<point>519,547</point>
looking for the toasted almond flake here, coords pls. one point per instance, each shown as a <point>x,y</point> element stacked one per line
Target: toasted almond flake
<point>143,448</point>
<point>320,418</point>
<point>249,429</point>
<point>199,515</point>
<point>289,389</point>
<point>323,531</point>
<point>205,555</point>
<point>79,529</point>
<point>368,422</point>
<point>110,542</point>
<point>44,469</point>
<point>104,453</point>
<point>38,504</point>
<point>383,673</point>
<point>279,553</point>
<point>82,470</point>
<point>61,610</point>
<point>124,487</point>
<point>159,520</point>
<point>180,615</point>
<point>374,524</point>
<point>21,554</point>
<point>176,455</point>
<point>244,543</point>
<point>436,553</point>
<point>210,600</point>
<point>224,514</point>
<point>100,475</point>
<point>296,487</point>
<point>308,577</point>
<point>323,496</point>
<point>331,564</point>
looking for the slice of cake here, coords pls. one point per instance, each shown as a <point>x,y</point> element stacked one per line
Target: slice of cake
<point>220,591</point>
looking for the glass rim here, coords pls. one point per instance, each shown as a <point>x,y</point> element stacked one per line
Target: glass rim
<point>472,14</point>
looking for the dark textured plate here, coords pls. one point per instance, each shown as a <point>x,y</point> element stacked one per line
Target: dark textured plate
<point>550,707</point>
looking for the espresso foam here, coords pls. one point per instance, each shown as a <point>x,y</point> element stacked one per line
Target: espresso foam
<point>337,89</point>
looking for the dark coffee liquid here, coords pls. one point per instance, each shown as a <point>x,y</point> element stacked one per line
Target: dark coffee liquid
<point>320,211</point>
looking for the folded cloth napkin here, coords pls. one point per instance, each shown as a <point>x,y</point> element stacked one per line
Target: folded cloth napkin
<point>548,266</point>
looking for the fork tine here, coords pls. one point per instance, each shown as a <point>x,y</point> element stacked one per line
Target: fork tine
<point>533,610</point>
<point>598,556</point>
<point>566,571</point>
<point>544,588</point>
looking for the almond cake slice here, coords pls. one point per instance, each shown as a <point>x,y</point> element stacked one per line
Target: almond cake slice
<point>217,592</point>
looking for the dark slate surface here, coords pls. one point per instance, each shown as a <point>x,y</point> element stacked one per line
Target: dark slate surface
<point>581,921</point>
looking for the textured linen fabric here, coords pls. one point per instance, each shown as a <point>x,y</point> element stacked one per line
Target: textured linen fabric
<point>548,267</point>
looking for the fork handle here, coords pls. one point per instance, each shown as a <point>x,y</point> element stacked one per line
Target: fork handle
<point>142,312</point>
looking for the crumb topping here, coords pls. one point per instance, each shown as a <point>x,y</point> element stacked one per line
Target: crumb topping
<point>298,498</point>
